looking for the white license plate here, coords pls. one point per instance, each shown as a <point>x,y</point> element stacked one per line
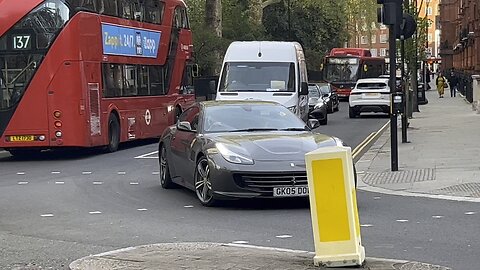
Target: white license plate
<point>295,191</point>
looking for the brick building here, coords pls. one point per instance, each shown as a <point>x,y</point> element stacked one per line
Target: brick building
<point>376,39</point>
<point>460,38</point>
<point>460,41</point>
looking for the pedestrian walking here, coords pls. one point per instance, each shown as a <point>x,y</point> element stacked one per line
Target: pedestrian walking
<point>441,82</point>
<point>453,84</point>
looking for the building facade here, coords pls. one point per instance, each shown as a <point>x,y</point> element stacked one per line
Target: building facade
<point>376,38</point>
<point>460,39</point>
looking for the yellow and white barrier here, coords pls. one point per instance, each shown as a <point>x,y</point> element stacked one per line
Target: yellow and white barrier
<point>333,205</point>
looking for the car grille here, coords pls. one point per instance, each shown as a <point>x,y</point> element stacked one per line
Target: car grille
<point>264,182</point>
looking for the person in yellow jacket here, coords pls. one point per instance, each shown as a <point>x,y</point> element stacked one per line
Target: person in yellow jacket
<point>441,82</point>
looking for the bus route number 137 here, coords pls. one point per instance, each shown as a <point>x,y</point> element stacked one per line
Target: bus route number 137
<point>22,42</point>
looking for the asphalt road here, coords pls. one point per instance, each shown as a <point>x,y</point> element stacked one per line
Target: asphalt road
<point>58,207</point>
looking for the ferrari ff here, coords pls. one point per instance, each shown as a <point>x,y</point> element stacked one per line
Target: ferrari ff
<point>239,149</point>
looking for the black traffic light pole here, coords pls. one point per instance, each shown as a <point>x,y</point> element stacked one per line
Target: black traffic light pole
<point>393,116</point>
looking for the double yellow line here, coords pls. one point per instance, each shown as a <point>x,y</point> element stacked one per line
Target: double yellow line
<point>363,147</point>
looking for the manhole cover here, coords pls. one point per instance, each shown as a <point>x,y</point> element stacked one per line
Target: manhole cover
<point>399,177</point>
<point>464,190</point>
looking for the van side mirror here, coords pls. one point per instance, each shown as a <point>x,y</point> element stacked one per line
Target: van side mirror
<point>304,89</point>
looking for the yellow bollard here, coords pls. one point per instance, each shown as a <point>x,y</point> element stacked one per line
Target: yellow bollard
<point>333,205</point>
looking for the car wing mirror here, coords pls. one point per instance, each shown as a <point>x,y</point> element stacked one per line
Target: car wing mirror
<point>184,126</point>
<point>313,123</point>
<point>325,95</point>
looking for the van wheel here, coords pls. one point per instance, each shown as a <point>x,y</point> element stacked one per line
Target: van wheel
<point>324,121</point>
<point>113,133</point>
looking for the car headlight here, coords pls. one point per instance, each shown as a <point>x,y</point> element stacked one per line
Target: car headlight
<point>319,105</point>
<point>234,154</point>
<point>293,109</point>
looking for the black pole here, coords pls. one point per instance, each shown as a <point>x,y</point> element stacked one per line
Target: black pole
<point>393,116</point>
<point>404,114</point>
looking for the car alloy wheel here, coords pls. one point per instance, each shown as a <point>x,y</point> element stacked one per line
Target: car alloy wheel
<point>203,186</point>
<point>165,178</point>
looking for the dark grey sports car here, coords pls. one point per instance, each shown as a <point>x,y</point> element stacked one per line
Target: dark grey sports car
<point>238,149</point>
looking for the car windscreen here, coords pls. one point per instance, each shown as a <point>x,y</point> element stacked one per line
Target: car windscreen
<point>258,77</point>
<point>372,85</point>
<point>249,117</point>
<point>313,92</point>
<point>325,89</point>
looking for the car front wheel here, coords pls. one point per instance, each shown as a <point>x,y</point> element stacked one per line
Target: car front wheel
<point>165,177</point>
<point>203,186</point>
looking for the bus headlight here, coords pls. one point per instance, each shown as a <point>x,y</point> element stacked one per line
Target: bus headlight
<point>58,134</point>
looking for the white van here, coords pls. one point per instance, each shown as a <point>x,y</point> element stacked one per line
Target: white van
<point>266,70</point>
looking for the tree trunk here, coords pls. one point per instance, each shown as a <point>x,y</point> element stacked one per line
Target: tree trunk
<point>213,16</point>
<point>213,22</point>
<point>255,8</point>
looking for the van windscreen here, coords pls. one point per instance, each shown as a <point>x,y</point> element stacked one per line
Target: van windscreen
<point>258,77</point>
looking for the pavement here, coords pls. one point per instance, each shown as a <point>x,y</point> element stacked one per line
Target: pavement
<point>440,161</point>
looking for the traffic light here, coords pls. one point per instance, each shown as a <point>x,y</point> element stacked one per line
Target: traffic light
<point>391,12</point>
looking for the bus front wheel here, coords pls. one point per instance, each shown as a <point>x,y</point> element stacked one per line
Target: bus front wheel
<point>113,133</point>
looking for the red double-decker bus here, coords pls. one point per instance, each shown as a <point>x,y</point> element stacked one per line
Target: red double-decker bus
<point>86,73</point>
<point>344,66</point>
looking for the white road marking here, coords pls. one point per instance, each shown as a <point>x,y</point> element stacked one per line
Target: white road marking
<point>20,173</point>
<point>283,236</point>
<point>377,198</point>
<point>55,172</point>
<point>366,225</point>
<point>86,173</point>
<point>155,173</point>
<point>94,212</point>
<point>142,209</point>
<point>59,183</point>
<point>98,183</point>
<point>240,242</point>
<point>437,217</point>
<point>147,156</point>
<point>188,206</point>
<point>418,195</point>
<point>133,183</point>
<point>121,173</point>
<point>470,213</point>
<point>47,215</point>
<point>402,220</point>
<point>23,183</point>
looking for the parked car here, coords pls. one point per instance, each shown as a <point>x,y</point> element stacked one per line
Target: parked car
<point>369,95</point>
<point>239,149</point>
<point>330,96</point>
<point>317,106</point>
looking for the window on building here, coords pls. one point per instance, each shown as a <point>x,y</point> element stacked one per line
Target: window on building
<point>383,38</point>
<point>383,52</point>
<point>374,39</point>
<point>363,40</point>
<point>374,52</point>
<point>430,38</point>
<point>429,11</point>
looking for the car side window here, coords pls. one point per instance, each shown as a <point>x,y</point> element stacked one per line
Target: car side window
<point>191,116</point>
